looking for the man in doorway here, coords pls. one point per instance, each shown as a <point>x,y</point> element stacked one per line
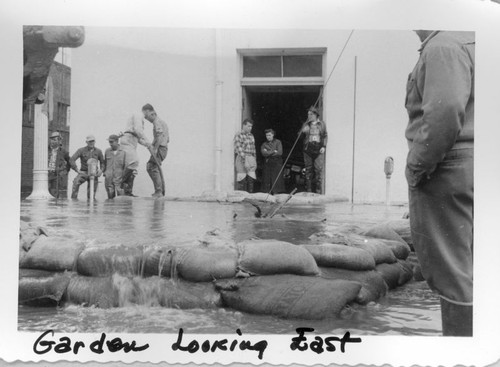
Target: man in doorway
<point>58,166</point>
<point>158,149</point>
<point>114,167</point>
<point>84,154</point>
<point>439,170</point>
<point>245,161</point>
<point>315,139</point>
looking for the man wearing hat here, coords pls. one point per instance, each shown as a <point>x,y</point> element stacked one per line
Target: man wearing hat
<point>58,166</point>
<point>315,139</point>
<point>114,167</point>
<point>84,154</point>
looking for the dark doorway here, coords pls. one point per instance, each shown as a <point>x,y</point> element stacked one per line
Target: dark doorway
<point>283,109</point>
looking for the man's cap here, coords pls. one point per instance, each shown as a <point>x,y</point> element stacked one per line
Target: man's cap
<point>55,134</point>
<point>313,110</point>
<point>90,138</point>
<point>148,107</point>
<point>113,137</point>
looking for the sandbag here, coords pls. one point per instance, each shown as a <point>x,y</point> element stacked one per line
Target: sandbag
<point>52,253</point>
<point>377,248</point>
<point>36,273</point>
<point>406,273</point>
<point>400,249</point>
<point>92,291</point>
<point>341,256</point>
<point>204,263</point>
<point>43,289</point>
<point>104,261</point>
<point>373,285</point>
<point>158,261</point>
<point>383,231</point>
<point>28,234</point>
<point>266,257</point>
<point>402,228</point>
<point>340,238</point>
<point>395,274</point>
<point>289,296</point>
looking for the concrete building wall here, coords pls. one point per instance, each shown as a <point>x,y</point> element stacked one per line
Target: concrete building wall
<point>116,71</point>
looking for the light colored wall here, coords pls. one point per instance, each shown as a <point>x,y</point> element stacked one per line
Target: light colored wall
<point>118,70</point>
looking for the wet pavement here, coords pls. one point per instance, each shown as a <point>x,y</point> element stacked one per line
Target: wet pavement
<point>409,310</point>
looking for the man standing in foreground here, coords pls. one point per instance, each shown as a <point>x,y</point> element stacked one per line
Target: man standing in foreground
<point>439,170</point>
<point>84,154</point>
<point>58,166</point>
<point>245,161</point>
<point>158,149</point>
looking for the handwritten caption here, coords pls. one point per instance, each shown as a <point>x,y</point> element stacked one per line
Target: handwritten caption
<point>45,343</point>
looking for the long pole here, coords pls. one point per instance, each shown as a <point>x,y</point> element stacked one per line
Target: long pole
<point>354,128</point>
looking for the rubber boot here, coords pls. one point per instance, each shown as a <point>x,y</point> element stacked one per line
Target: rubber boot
<point>250,184</point>
<point>456,319</point>
<point>74,191</point>
<point>241,185</point>
<point>157,182</point>
<point>128,182</point>
<point>308,185</point>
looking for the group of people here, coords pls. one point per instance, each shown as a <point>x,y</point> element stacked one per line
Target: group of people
<point>118,164</point>
<point>315,138</point>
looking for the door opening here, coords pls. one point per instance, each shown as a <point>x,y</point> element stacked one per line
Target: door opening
<point>283,109</point>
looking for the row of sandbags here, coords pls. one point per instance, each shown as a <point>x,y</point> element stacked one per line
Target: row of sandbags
<point>43,288</point>
<point>316,280</point>
<point>237,196</point>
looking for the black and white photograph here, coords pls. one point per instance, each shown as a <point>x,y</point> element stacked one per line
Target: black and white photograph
<point>211,191</point>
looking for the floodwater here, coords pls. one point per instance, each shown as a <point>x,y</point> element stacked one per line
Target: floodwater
<point>409,310</point>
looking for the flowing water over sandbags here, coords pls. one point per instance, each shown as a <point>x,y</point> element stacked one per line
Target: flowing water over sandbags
<point>157,261</point>
<point>120,291</point>
<point>289,296</point>
<point>41,288</point>
<point>341,256</point>
<point>373,285</point>
<point>266,257</point>
<point>101,261</point>
<point>52,253</point>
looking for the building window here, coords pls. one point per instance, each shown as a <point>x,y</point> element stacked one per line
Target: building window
<point>283,66</point>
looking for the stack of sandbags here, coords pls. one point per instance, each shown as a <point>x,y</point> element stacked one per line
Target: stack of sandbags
<point>334,250</point>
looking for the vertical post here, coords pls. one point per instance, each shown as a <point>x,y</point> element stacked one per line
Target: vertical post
<point>40,156</point>
<point>388,170</point>
<point>218,113</point>
<point>354,128</point>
